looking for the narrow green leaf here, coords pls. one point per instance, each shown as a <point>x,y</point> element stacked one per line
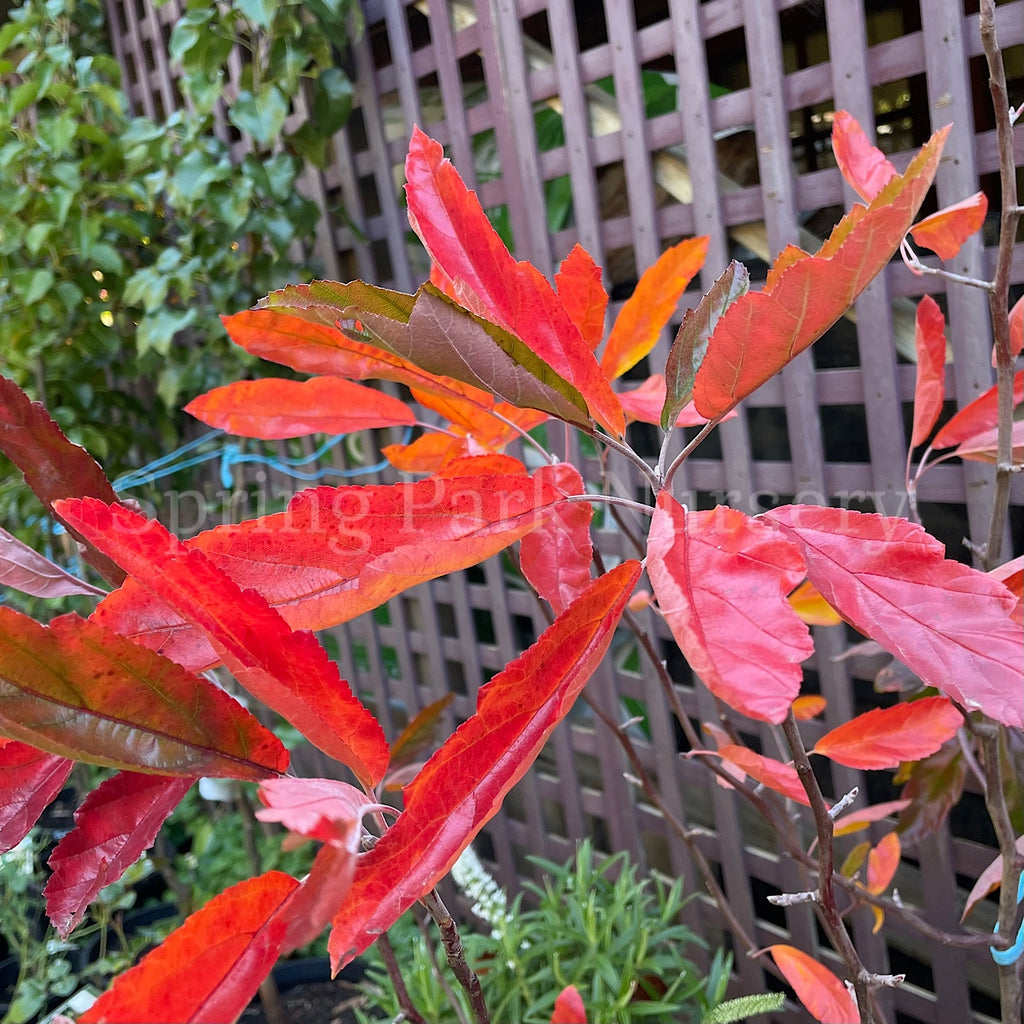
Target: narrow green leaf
<point>691,342</point>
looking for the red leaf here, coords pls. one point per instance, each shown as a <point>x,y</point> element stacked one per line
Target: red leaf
<point>462,786</point>
<point>863,165</point>
<point>29,780</point>
<point>332,812</point>
<point>782,778</point>
<point>885,737</point>
<point>52,466</point>
<point>762,331</point>
<point>76,689</point>
<point>115,825</point>
<point>883,860</point>
<point>273,408</point>
<point>645,314</point>
<point>856,820</point>
<point>224,951</point>
<point>978,416</point>
<point>1016,330</point>
<point>721,581</point>
<point>556,557</point>
<point>288,671</point>
<point>340,551</point>
<point>460,239</point>
<point>945,621</point>
<point>569,1008</point>
<point>824,995</point>
<point>31,573</point>
<point>1011,575</point>
<point>582,293</point>
<point>930,389</point>
<point>945,231</point>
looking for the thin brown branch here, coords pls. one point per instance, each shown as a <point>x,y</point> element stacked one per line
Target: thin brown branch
<point>387,954</point>
<point>826,906</point>
<point>464,974</point>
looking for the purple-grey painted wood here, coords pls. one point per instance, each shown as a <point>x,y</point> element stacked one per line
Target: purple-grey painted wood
<point>450,84</point>
<point>576,119</point>
<point>950,100</point>
<point>401,61</point>
<point>848,47</point>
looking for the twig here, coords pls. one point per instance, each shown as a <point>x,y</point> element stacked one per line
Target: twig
<point>457,956</point>
<point>1000,293</point>
<point>387,954</point>
<point>826,902</point>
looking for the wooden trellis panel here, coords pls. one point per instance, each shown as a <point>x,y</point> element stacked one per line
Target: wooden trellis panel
<point>740,153</point>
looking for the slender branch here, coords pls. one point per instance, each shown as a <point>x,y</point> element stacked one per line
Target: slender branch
<point>915,266</point>
<point>464,974</point>
<point>1000,293</point>
<point>626,452</point>
<point>387,954</point>
<point>439,973</point>
<point>612,499</point>
<point>833,923</point>
<point>681,457</point>
<point>1010,989</point>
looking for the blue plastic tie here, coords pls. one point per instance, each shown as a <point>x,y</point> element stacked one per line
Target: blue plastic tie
<point>230,454</point>
<point>1004,957</point>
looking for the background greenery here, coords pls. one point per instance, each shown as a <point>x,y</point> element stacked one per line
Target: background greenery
<point>123,238</point>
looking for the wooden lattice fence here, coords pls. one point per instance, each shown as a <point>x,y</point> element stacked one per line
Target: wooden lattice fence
<point>627,125</point>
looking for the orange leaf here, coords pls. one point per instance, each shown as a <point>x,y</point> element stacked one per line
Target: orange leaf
<point>945,231</point>
<point>225,950</point>
<point>930,389</point>
<point>271,408</point>
<point>429,453</point>
<point>863,166</point>
<point>783,778</point>
<point>582,293</point>
<point>884,737</point>
<point>762,331</point>
<point>809,706</point>
<point>812,608</point>
<point>647,311</point>
<point>1016,330</point>
<point>824,995</point>
<point>883,860</point>
<point>462,786</point>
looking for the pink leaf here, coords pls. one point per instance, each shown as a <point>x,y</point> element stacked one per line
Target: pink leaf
<point>945,231</point>
<point>945,621</point>
<point>978,416</point>
<point>862,164</point>
<point>721,581</point>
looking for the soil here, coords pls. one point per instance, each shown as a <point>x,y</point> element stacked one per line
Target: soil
<point>318,1002</point>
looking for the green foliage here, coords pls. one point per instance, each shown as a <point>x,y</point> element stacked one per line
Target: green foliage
<point>122,238</point>
<point>745,1006</point>
<point>594,924</point>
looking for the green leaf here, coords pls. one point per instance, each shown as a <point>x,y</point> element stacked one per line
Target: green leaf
<point>146,288</point>
<point>36,236</point>
<point>157,330</point>
<point>107,258</point>
<point>259,12</point>
<point>691,342</point>
<point>188,31</point>
<point>31,285</point>
<point>332,100</point>
<point>260,115</point>
<point>57,133</point>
